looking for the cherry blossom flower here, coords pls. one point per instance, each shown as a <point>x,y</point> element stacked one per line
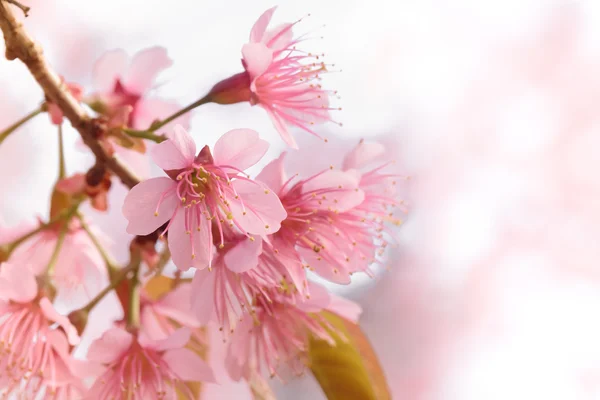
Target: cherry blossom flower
<point>34,354</point>
<point>277,333</point>
<point>143,369</point>
<point>280,78</point>
<point>121,82</point>
<point>201,191</point>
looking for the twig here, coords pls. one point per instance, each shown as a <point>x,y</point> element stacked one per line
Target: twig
<point>4,134</point>
<point>23,8</point>
<point>20,45</point>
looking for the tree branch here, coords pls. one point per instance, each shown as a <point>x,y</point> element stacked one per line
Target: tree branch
<point>20,45</point>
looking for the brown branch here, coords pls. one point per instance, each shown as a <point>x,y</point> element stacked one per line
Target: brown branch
<point>23,8</point>
<point>20,45</point>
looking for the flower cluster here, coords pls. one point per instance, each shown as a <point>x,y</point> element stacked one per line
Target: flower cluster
<point>244,247</point>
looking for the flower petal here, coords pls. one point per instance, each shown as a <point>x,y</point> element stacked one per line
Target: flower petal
<point>176,305</point>
<point>344,308</point>
<point>110,346</point>
<point>239,148</point>
<point>261,212</point>
<point>141,205</point>
<point>109,67</point>
<point>53,315</point>
<point>281,127</point>
<point>273,174</point>
<point>363,154</point>
<point>193,248</point>
<point>203,303</point>
<point>257,58</point>
<point>188,366</point>
<point>144,68</point>
<point>346,195</point>
<point>148,110</point>
<point>260,26</point>
<point>323,268</point>
<point>279,37</point>
<point>176,340</point>
<point>244,255</point>
<point>175,153</point>
<point>17,283</point>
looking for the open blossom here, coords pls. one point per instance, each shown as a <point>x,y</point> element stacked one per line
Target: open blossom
<point>277,333</point>
<point>280,78</point>
<point>144,369</point>
<point>34,337</point>
<point>123,83</point>
<point>201,191</point>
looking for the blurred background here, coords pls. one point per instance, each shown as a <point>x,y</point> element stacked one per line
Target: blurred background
<point>491,107</point>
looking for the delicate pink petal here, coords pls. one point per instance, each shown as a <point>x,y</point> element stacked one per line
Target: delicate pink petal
<point>150,327</point>
<point>203,300</point>
<point>319,299</point>
<point>177,340</point>
<point>110,67</point>
<point>347,194</point>
<point>323,268</point>
<point>363,154</point>
<point>260,26</point>
<point>53,315</point>
<point>281,127</point>
<point>56,114</point>
<point>12,233</point>
<point>135,161</point>
<point>72,185</point>
<point>262,211</point>
<point>176,305</point>
<point>273,174</point>
<point>175,153</point>
<point>180,241</point>
<point>279,37</point>
<point>142,203</point>
<point>257,58</point>
<point>344,308</point>
<point>148,110</point>
<point>145,67</point>
<point>239,148</point>
<point>17,283</point>
<point>244,255</point>
<point>188,366</point>
<point>110,346</point>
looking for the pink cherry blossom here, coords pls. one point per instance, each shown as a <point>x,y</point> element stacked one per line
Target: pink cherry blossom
<point>143,369</point>
<point>122,82</point>
<point>280,78</point>
<point>201,192</point>
<point>277,333</point>
<point>34,354</point>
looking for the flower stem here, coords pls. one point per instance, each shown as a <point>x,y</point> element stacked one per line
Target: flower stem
<point>59,243</point>
<point>110,264</point>
<point>5,133</point>
<point>119,277</point>
<point>145,135</point>
<point>133,308</point>
<point>159,124</point>
<point>61,154</point>
<point>23,8</point>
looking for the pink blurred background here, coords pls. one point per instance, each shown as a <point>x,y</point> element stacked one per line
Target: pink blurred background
<point>492,109</point>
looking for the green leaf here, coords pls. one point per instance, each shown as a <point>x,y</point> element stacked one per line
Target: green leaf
<point>350,369</point>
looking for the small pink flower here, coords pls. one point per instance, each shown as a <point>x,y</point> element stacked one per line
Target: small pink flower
<point>33,353</point>
<point>55,113</point>
<point>277,333</point>
<point>143,369</point>
<point>121,83</point>
<point>280,78</point>
<point>201,191</point>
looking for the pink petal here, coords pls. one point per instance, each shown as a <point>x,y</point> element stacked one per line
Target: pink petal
<point>257,58</point>
<point>56,114</point>
<point>9,234</point>
<point>180,242</point>
<point>72,185</point>
<point>203,300</point>
<point>244,255</point>
<point>150,327</point>
<point>141,204</point>
<point>148,110</point>
<point>17,283</point>
<point>239,148</point>
<point>281,127</point>
<point>137,162</point>
<point>188,366</point>
<point>177,152</point>
<point>176,305</point>
<point>145,67</point>
<point>110,67</point>
<point>176,340</point>
<point>363,154</point>
<point>344,308</point>
<point>110,346</point>
<point>53,315</point>
<point>323,268</point>
<point>273,174</point>
<point>262,211</point>
<point>279,37</point>
<point>347,197</point>
<point>319,299</point>
<point>260,26</point>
